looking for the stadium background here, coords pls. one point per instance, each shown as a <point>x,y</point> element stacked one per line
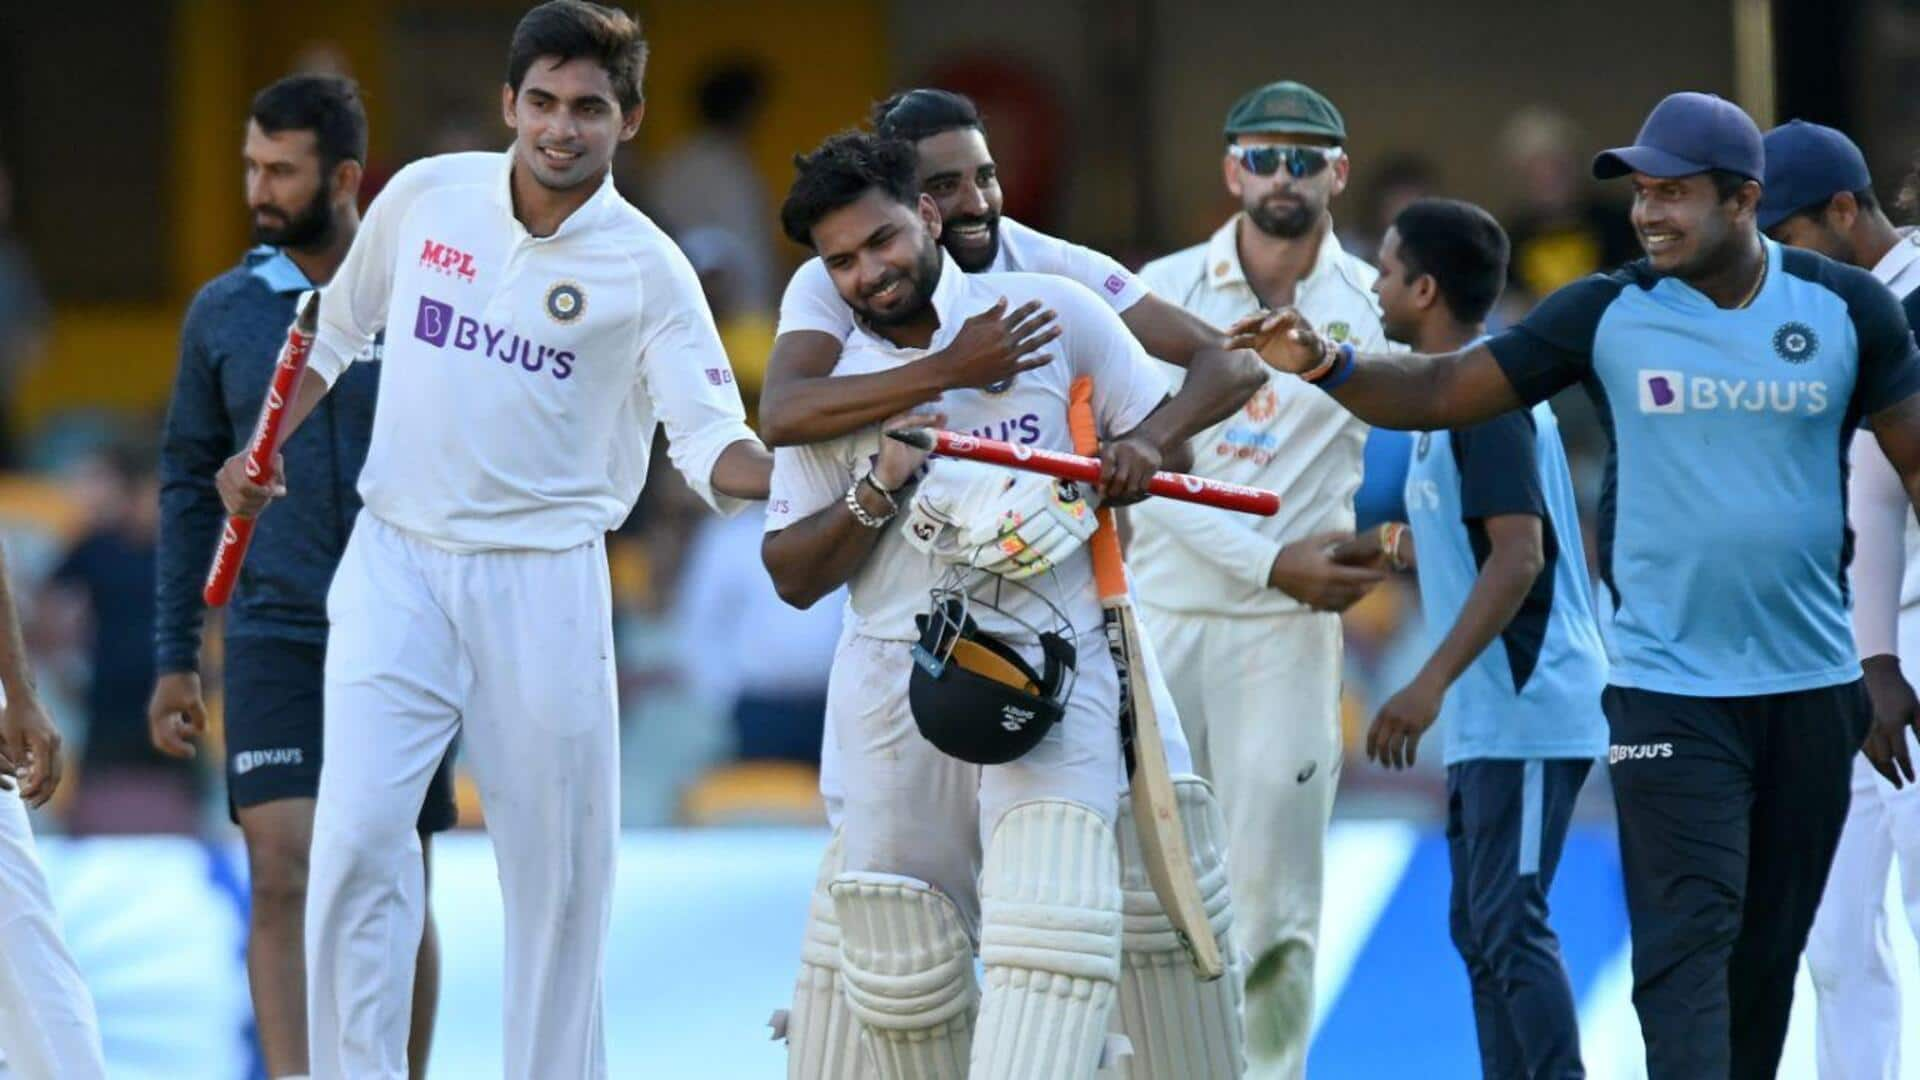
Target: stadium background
<point>120,194</point>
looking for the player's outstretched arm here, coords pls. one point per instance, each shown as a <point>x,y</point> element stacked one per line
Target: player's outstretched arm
<point>29,743</point>
<point>1514,563</point>
<point>821,552</point>
<point>804,402</point>
<point>1406,391</point>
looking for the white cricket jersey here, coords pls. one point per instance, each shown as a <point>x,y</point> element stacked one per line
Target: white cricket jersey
<point>1290,437</point>
<point>812,303</point>
<point>523,375</point>
<point>1886,536</point>
<point>893,585</point>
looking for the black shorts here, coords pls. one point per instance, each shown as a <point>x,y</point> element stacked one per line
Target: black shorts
<point>273,718</point>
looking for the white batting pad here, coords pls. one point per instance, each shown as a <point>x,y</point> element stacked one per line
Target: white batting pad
<point>823,1040</point>
<point>1050,940</point>
<point>906,971</point>
<point>1179,1024</point>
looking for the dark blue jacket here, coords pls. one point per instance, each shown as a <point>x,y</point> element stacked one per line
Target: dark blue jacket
<point>228,347</point>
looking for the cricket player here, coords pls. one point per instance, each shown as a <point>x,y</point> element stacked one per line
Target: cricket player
<point>1245,611</point>
<point>1819,196</point>
<point>48,1028</point>
<point>306,143</point>
<point>540,329</point>
<point>1731,373</point>
<point>915,821</point>
<point>1517,667</point>
<point>1177,1024</point>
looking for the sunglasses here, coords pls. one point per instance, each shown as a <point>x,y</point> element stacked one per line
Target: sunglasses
<point>1299,161</point>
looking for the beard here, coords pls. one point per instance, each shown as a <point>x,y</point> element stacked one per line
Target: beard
<point>973,258</point>
<point>1287,219</point>
<point>304,229</point>
<point>921,279</point>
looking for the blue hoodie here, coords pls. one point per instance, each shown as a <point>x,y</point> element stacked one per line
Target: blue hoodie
<point>228,347</point>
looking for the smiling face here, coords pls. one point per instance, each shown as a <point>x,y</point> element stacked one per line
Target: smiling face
<point>567,122</point>
<point>1685,227</point>
<point>883,256</point>
<point>956,170</point>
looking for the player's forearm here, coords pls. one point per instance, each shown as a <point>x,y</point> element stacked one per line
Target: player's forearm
<point>799,409</point>
<point>306,397</point>
<point>1492,603</point>
<point>811,558</point>
<point>743,470</point>
<point>1218,382</point>
<point>1426,392</point>
<point>1171,333</point>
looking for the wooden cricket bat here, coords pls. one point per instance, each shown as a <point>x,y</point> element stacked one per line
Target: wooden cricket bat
<point>1156,813</point>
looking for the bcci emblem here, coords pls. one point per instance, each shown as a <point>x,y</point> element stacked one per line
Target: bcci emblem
<point>1340,331</point>
<point>998,388</point>
<point>565,302</point>
<point>1421,445</point>
<point>1796,342</point>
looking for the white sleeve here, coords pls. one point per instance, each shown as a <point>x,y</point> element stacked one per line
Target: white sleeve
<point>1878,509</point>
<point>353,306</point>
<point>812,303</point>
<point>1127,383</point>
<point>686,374</point>
<point>1101,273</point>
<point>806,480</point>
<point>1213,536</point>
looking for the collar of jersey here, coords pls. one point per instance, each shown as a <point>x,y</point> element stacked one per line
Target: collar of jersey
<point>579,219</point>
<point>281,273</point>
<point>1900,258</point>
<point>1687,294</point>
<point>949,294</point>
<point>1223,249</point>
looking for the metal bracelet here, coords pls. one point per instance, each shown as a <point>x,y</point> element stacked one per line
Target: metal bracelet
<point>860,512</point>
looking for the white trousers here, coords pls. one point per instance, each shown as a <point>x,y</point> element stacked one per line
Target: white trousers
<point>910,809</point>
<point>1849,955</point>
<point>48,1029</point>
<point>514,651</point>
<point>1260,699</point>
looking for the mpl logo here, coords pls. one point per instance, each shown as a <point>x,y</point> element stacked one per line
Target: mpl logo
<point>447,259</point>
<point>1662,392</point>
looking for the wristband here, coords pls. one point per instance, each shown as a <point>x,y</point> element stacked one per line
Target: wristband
<point>860,512</point>
<point>1390,534</point>
<point>1339,370</point>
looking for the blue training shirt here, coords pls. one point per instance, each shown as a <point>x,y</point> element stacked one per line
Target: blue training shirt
<point>1723,528</point>
<point>1534,692</point>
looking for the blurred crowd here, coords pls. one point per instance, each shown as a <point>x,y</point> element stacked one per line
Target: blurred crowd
<point>723,686</point>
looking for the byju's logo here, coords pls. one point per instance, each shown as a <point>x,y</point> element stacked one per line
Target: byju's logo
<point>1620,752</point>
<point>1662,392</point>
<point>248,760</point>
<point>1672,392</point>
<point>437,324</point>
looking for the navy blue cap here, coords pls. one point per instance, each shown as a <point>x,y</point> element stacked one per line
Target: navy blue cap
<point>1689,133</point>
<point>1807,164</point>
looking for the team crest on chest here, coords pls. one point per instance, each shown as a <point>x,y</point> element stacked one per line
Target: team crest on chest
<point>998,388</point>
<point>1796,342</point>
<point>1422,445</point>
<point>1340,331</point>
<point>566,301</point>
